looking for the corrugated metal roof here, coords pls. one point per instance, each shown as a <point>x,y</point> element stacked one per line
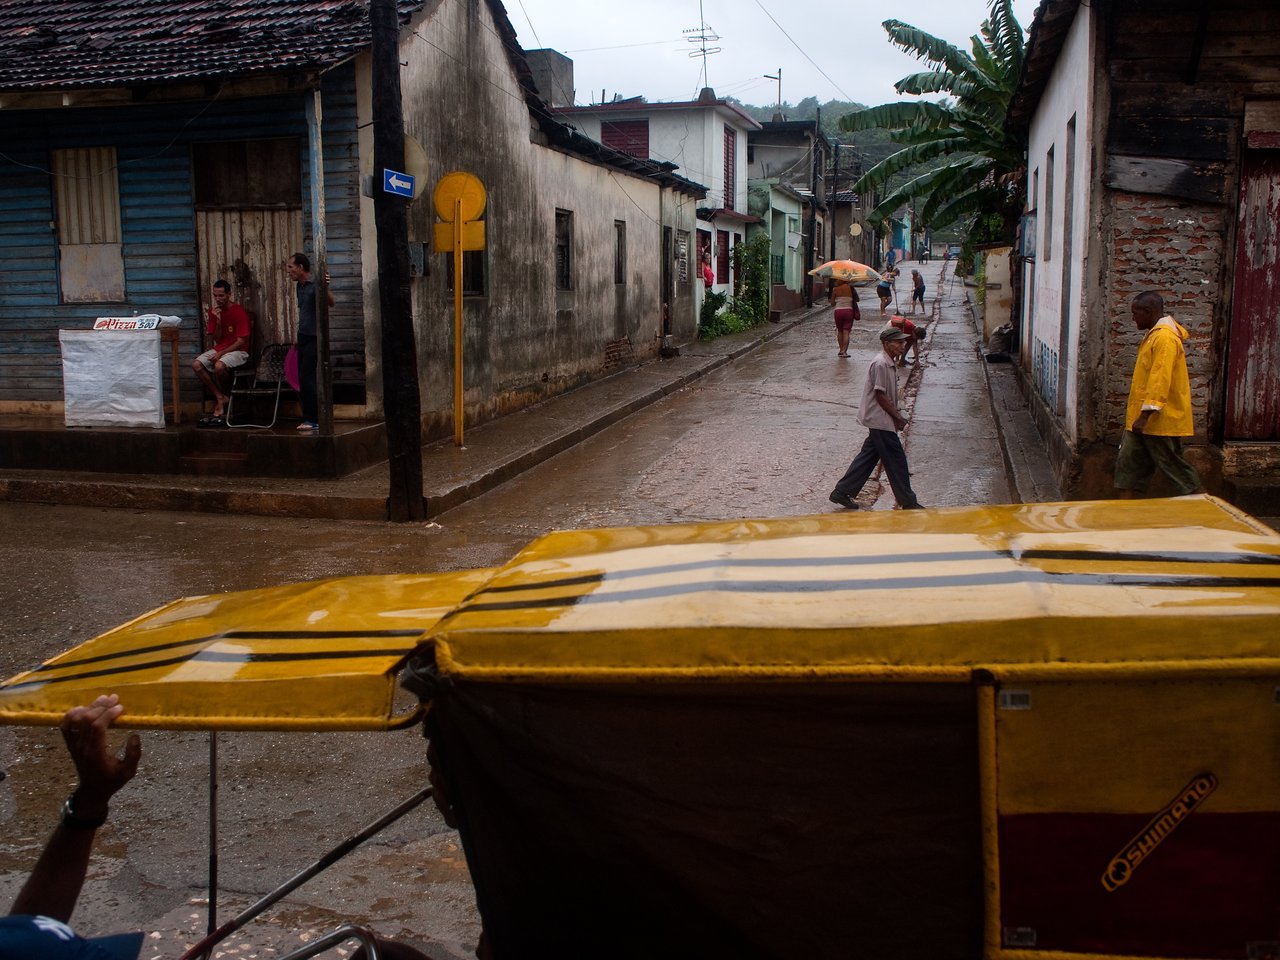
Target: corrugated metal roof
<point>81,44</point>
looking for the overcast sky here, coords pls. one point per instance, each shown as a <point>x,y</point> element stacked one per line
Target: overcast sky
<point>827,50</point>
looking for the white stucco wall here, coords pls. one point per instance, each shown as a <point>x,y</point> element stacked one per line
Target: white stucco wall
<point>693,139</point>
<point>1056,292</point>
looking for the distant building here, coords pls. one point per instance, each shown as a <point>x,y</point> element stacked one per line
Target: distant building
<point>706,139</point>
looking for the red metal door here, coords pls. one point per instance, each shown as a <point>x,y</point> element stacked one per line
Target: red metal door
<point>1253,354</point>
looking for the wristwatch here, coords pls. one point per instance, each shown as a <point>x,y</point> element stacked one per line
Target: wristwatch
<point>73,821</point>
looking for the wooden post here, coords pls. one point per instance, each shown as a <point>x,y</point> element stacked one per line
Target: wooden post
<point>459,389</point>
<point>401,399</point>
<point>319,265</point>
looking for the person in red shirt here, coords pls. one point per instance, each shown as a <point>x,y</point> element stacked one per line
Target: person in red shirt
<point>913,332</point>
<point>227,326</point>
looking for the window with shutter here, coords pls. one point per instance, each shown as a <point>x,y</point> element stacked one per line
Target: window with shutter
<point>627,136</point>
<point>730,167</point>
<point>87,213</point>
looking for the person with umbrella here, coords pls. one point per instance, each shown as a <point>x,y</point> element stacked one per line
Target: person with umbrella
<point>845,299</point>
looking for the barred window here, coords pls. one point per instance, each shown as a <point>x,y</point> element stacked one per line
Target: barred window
<point>564,250</point>
<point>619,251</point>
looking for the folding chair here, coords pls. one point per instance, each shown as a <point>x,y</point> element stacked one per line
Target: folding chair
<point>265,379</point>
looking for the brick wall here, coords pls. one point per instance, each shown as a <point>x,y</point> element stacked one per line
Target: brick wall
<point>1175,248</point>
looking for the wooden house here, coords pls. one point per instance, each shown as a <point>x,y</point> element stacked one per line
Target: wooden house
<point>151,148</point>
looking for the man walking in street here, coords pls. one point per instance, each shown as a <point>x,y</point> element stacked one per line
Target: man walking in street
<point>1158,414</point>
<point>880,415</point>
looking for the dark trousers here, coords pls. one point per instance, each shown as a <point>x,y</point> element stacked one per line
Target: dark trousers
<point>881,446</point>
<point>307,359</point>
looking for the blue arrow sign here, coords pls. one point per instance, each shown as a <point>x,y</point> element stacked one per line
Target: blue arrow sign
<point>401,184</point>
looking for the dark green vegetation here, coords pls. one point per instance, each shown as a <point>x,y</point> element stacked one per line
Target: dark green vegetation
<point>749,304</point>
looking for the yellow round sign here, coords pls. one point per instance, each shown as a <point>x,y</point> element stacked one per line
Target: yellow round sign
<point>459,186</point>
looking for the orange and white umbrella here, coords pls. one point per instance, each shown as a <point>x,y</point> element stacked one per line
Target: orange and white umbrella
<point>848,270</point>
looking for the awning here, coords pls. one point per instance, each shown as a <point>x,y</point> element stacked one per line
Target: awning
<point>1035,589</point>
<point>312,656</point>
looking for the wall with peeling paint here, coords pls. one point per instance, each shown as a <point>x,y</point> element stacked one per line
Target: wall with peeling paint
<point>525,339</point>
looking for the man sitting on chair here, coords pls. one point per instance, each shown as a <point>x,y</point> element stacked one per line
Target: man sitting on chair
<point>227,326</point>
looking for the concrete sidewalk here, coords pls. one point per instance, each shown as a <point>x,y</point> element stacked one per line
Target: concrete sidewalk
<point>957,390</point>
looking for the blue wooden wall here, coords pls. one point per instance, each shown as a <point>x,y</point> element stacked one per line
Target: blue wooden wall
<point>153,144</point>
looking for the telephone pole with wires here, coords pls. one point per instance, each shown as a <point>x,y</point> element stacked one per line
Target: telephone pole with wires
<point>778,108</point>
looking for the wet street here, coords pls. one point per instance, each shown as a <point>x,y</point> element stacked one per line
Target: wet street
<point>766,435</point>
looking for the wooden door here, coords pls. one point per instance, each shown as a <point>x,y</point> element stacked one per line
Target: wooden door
<point>248,249</point>
<point>1253,352</point>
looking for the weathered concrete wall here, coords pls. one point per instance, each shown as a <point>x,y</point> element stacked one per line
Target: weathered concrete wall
<point>998,292</point>
<point>525,339</point>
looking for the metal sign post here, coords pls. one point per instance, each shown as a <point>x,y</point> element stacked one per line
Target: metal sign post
<point>459,200</point>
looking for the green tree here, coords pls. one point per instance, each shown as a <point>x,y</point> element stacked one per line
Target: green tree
<point>958,161</point>
<point>749,304</point>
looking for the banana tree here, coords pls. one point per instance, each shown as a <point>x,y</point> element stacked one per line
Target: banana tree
<point>960,161</point>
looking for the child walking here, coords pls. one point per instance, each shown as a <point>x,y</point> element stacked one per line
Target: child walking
<point>880,415</point>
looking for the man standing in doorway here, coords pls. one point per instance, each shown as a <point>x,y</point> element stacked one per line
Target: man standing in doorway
<point>299,270</point>
<point>1158,414</point>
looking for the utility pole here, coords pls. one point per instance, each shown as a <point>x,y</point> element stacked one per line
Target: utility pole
<point>402,402</point>
<point>835,198</point>
<point>778,109</point>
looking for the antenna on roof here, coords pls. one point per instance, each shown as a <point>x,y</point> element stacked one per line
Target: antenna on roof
<point>702,35</point>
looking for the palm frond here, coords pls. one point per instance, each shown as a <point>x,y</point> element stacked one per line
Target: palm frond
<point>1006,34</point>
<point>890,115</point>
<point>964,159</point>
<point>926,47</point>
<point>926,82</point>
<point>969,204</point>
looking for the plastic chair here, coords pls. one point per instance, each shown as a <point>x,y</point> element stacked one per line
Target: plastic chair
<point>265,380</point>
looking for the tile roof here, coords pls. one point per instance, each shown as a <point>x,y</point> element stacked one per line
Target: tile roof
<point>57,45</point>
<point>79,44</point>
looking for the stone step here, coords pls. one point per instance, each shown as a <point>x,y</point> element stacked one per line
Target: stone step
<point>213,464</point>
<point>1257,495</point>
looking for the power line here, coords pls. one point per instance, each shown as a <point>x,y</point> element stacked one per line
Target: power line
<point>620,46</point>
<point>801,49</point>
<point>532,28</point>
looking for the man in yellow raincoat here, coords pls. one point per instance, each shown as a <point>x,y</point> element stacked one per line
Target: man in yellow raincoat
<point>1158,414</point>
